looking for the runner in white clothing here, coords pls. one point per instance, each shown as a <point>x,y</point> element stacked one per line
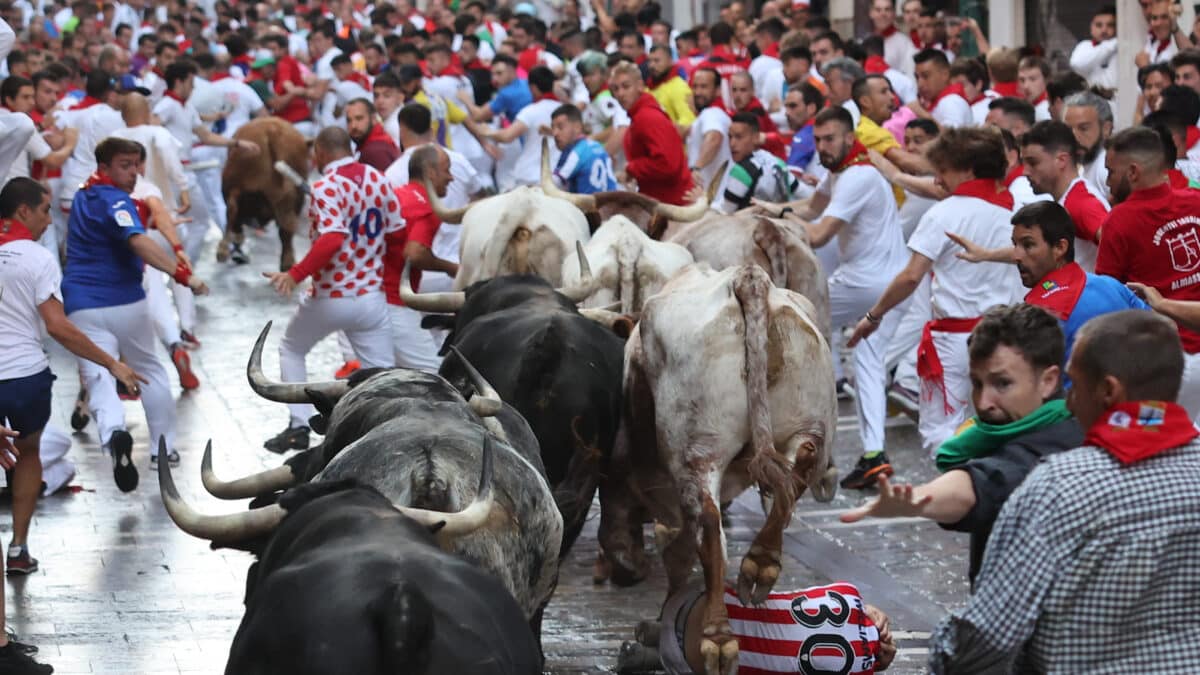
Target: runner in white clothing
<point>96,119</point>
<point>939,99</point>
<point>969,164</point>
<point>855,203</point>
<point>708,137</point>
<point>528,128</point>
<point>352,209</point>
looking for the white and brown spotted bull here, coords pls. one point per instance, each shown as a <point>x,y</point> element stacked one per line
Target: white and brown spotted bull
<point>253,189</point>
<point>728,384</point>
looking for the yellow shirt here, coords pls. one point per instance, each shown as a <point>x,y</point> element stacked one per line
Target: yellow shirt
<point>876,138</point>
<point>443,112</point>
<point>672,95</point>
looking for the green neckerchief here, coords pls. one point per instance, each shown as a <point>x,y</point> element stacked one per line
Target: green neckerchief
<point>978,438</point>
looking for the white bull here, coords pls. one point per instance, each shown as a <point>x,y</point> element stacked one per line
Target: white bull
<point>519,232</point>
<point>729,383</point>
<point>627,264</point>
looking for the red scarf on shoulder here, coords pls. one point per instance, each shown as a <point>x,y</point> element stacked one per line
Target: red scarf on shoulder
<point>1058,292</point>
<point>1135,430</point>
<point>13,230</point>
<point>855,156</point>
<point>986,189</point>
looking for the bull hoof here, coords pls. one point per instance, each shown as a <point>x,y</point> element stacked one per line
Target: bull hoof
<point>719,650</point>
<point>757,576</point>
<point>601,569</point>
<point>624,573</point>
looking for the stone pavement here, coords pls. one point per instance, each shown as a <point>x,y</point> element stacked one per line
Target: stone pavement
<point>122,591</point>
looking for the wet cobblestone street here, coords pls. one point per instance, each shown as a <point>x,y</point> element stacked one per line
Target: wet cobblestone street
<point>121,590</point>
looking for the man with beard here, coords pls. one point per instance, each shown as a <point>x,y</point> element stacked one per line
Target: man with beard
<point>707,144</point>
<point>802,104</point>
<point>1016,356</point>
<point>1152,237</point>
<point>1091,119</point>
<point>668,88</point>
<point>375,147</point>
<point>855,203</point>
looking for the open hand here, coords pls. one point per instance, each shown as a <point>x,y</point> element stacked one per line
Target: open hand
<point>8,451</point>
<point>1148,293</point>
<point>894,501</point>
<point>282,282</point>
<point>971,252</point>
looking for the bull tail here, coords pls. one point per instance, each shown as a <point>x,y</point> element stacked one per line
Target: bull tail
<point>404,621</point>
<point>628,251</point>
<point>768,238</point>
<point>768,468</point>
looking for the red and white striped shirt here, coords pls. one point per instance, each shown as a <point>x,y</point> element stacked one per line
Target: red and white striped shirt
<point>824,629</point>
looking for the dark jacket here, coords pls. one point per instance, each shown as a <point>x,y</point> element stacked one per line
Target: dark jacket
<point>999,474</point>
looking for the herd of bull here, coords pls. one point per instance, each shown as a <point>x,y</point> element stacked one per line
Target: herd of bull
<point>424,533</point>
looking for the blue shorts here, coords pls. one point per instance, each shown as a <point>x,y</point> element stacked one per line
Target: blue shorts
<point>25,402</point>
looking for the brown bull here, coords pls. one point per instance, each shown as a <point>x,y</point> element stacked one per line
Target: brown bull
<point>253,189</point>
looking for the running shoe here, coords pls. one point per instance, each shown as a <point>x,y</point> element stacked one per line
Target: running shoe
<point>348,368</point>
<point>79,416</point>
<point>867,471</point>
<point>237,255</point>
<point>20,564</point>
<point>14,660</point>
<point>292,438</point>
<point>125,474</point>
<point>189,340</point>
<point>183,364</point>
<point>172,459</point>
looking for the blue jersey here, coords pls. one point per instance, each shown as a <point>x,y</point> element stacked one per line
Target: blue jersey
<point>102,270</point>
<point>803,148</point>
<point>585,168</point>
<point>1101,295</point>
<point>511,99</point>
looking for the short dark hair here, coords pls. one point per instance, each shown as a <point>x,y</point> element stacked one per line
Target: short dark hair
<point>506,60</point>
<point>1035,62</point>
<point>818,22</point>
<point>164,45</point>
<point>1064,84</point>
<point>437,48</point>
<point>416,118</point>
<point>45,74</point>
<point>177,72</point>
<point>542,78</point>
<point>935,56</point>
<point>972,69</point>
<point>706,69</point>
<point>859,88</point>
<point>747,118</point>
<point>1053,220</point>
<point>568,110</point>
<point>1028,329</point>
<point>773,27</point>
<point>1105,9</point>
<point>793,53</point>
<point>98,84</point>
<point>1016,107</point>
<point>1150,365</point>
<point>872,45</point>
<point>112,146</point>
<point>810,95</point>
<point>386,80</point>
<point>970,148</point>
<point>834,39</point>
<point>835,114</point>
<point>1182,101</point>
<point>340,60</point>
<point>1143,144</point>
<point>1166,124</point>
<point>720,33</point>
<point>1052,135</point>
<point>1187,57</point>
<point>18,192</point>
<point>927,125</point>
<point>363,101</point>
<point>12,86</point>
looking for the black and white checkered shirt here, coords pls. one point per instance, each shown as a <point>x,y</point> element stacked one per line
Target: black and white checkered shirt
<point>1091,567</point>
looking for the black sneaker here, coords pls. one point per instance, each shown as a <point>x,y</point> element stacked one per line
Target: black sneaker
<point>291,438</point>
<point>867,471</point>
<point>845,390</point>
<point>19,646</point>
<point>15,661</point>
<point>20,564</point>
<point>79,416</point>
<point>237,255</point>
<point>124,472</point>
<point>172,459</point>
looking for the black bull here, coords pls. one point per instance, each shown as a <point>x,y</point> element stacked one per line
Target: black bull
<point>561,370</point>
<point>347,583</point>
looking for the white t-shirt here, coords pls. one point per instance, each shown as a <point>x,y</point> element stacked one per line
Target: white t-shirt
<point>898,51</point>
<point>29,276</point>
<point>324,66</point>
<point>904,86</point>
<point>1041,111</point>
<point>528,170</point>
<point>979,110</point>
<point>953,111</point>
<point>95,124</point>
<point>164,167</point>
<point>1096,63</point>
<point>36,148</point>
<point>1023,194</point>
<point>1151,49</point>
<point>709,119</point>
<point>871,244</point>
<point>238,101</point>
<point>179,119</point>
<point>759,69</point>
<point>603,112</point>
<point>1096,174</point>
<point>961,289</point>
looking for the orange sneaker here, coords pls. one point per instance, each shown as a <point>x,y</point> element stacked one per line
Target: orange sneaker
<point>183,364</point>
<point>348,368</point>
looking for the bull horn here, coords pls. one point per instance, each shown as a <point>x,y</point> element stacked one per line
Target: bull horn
<point>264,482</point>
<point>441,303</point>
<point>587,283</point>
<point>695,210</point>
<point>446,215</point>
<point>228,528</point>
<point>619,324</point>
<point>486,401</point>
<point>469,519</point>
<point>584,203</point>
<point>285,392</point>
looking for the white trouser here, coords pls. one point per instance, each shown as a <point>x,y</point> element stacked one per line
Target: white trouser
<point>162,312</point>
<point>902,348</point>
<point>363,318</point>
<point>57,468</point>
<point>848,305</point>
<point>941,417</point>
<point>1189,391</point>
<point>126,331</point>
<point>191,233</point>
<point>209,181</point>
<point>57,216</point>
<point>345,347</point>
<point>413,346</point>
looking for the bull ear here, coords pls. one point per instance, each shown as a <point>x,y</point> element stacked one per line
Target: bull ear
<point>323,403</point>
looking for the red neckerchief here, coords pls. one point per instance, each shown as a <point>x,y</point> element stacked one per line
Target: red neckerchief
<point>547,97</point>
<point>1059,290</point>
<point>1135,430</point>
<point>888,32</point>
<point>158,72</point>
<point>475,65</point>
<point>912,35</point>
<point>1193,136</point>
<point>1040,98</point>
<point>1177,180</point>
<point>13,230</point>
<point>985,189</point>
<point>1013,174</point>
<point>723,54</point>
<point>172,95</point>
<point>364,81</point>
<point>856,156</point>
<point>97,178</point>
<point>243,60</point>
<point>378,134</point>
<point>86,103</point>
<point>717,104</point>
<point>218,76</point>
<point>452,70</point>
<point>695,53</point>
<point>1006,88</point>
<point>772,50</point>
<point>655,82</point>
<point>1160,46</point>
<point>875,65</point>
<point>950,90</point>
